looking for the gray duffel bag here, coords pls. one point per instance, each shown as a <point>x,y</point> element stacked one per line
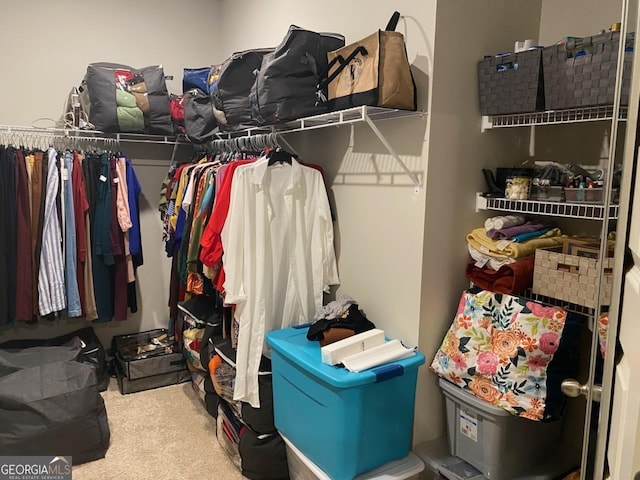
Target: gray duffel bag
<point>126,99</point>
<point>286,85</point>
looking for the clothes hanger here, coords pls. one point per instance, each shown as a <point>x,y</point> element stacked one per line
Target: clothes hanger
<point>278,155</point>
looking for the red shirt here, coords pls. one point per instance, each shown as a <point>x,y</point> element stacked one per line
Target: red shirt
<point>211,241</point>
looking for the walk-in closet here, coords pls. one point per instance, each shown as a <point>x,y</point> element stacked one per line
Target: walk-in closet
<point>224,257</point>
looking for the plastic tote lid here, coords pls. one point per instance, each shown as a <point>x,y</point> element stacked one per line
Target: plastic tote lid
<point>292,344</point>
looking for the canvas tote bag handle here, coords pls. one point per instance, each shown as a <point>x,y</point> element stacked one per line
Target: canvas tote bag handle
<point>393,22</point>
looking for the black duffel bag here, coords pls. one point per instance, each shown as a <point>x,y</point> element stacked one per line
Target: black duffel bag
<point>231,85</point>
<point>199,120</point>
<point>285,86</point>
<point>92,351</point>
<point>264,457</point>
<point>49,403</point>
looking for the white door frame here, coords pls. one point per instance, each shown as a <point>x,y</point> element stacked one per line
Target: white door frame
<point>622,239</point>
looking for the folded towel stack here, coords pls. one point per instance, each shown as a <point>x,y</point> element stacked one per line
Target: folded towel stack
<point>503,250</point>
<point>503,221</point>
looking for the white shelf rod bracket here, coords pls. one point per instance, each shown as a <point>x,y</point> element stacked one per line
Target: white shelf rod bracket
<point>394,154</point>
<point>481,202</point>
<point>486,124</point>
<point>285,144</point>
<point>532,141</point>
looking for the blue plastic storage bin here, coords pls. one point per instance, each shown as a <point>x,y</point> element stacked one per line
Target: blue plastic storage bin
<point>346,423</point>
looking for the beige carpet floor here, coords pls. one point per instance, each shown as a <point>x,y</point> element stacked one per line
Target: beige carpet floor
<point>161,434</point>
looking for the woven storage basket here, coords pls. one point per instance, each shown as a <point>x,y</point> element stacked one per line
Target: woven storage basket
<point>511,83</point>
<point>570,278</point>
<point>585,80</point>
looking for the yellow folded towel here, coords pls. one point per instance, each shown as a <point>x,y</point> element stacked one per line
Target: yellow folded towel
<point>478,239</point>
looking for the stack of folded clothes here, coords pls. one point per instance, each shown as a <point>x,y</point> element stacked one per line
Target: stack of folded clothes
<point>503,252</point>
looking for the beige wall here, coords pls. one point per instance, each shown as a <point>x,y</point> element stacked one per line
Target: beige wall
<point>45,48</point>
<point>577,18</point>
<point>457,151</point>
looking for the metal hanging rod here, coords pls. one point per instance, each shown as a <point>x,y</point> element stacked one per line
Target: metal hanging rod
<point>253,143</point>
<point>21,132</point>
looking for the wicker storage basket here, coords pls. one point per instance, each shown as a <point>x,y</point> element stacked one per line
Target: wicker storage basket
<point>582,72</point>
<point>570,278</point>
<point>511,83</point>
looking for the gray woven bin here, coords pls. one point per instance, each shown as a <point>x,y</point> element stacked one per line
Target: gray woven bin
<point>588,80</point>
<point>511,83</point>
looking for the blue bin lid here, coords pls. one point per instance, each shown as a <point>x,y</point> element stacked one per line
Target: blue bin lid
<point>292,344</point>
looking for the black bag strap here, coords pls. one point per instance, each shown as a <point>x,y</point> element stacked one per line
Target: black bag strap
<point>393,22</point>
<point>343,64</point>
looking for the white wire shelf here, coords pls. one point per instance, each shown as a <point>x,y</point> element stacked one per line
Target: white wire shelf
<point>569,307</point>
<point>17,134</point>
<point>331,119</point>
<point>364,114</point>
<point>582,211</point>
<point>552,117</point>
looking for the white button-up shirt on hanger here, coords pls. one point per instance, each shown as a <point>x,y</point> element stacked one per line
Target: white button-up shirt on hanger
<point>278,257</point>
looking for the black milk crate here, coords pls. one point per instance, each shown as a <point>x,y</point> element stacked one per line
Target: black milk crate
<point>511,83</point>
<point>147,354</point>
<point>581,72</point>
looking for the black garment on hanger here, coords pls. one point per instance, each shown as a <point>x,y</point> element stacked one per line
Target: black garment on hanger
<point>11,232</point>
<point>279,156</point>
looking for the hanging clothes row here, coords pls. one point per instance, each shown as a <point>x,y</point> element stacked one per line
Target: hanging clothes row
<point>259,233</point>
<point>70,237</point>
<point>186,205</point>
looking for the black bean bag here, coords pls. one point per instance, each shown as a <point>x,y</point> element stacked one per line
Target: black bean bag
<point>50,404</point>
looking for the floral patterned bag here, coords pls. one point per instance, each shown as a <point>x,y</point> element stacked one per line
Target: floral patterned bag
<point>498,348</point>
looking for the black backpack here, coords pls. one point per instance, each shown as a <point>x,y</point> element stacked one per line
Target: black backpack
<point>231,85</point>
<point>285,87</point>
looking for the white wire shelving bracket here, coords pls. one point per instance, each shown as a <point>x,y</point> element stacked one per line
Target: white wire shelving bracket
<point>584,211</point>
<point>363,114</point>
<point>552,117</point>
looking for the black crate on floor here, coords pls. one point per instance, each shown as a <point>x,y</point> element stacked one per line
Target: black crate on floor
<point>148,360</point>
<point>511,83</point>
<point>582,72</point>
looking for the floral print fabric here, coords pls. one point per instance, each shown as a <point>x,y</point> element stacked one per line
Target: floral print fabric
<point>498,348</point>
<point>603,330</point>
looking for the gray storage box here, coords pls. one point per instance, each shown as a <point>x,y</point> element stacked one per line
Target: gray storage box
<point>126,385</point>
<point>582,72</point>
<point>511,83</point>
<point>144,367</point>
<point>483,435</point>
<point>148,360</point>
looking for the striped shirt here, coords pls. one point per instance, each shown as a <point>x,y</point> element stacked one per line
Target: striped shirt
<point>51,284</point>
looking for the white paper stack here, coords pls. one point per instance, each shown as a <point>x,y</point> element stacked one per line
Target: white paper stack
<point>387,352</point>
<point>334,353</point>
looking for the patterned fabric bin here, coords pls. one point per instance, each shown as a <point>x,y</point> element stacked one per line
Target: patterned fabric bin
<point>511,83</point>
<point>582,72</point>
<point>571,278</point>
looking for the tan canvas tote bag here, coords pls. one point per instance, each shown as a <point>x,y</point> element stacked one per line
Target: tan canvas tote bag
<point>374,71</point>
